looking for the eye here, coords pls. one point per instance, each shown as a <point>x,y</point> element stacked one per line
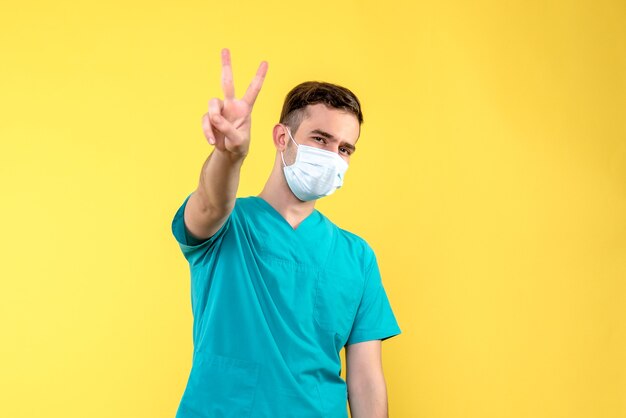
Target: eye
<point>319,139</point>
<point>345,150</point>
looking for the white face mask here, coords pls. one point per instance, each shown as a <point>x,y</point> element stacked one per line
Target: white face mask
<point>315,173</point>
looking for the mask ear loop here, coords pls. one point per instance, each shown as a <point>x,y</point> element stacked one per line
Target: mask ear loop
<point>294,141</point>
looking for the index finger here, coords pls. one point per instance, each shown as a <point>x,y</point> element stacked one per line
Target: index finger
<point>255,85</point>
<point>227,76</point>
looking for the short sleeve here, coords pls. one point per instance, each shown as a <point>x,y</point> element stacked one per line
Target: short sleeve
<point>375,319</point>
<point>192,248</point>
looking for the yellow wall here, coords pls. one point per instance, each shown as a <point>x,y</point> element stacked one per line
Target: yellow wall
<point>490,179</point>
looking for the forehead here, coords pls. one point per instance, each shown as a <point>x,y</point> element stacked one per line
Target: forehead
<point>340,123</point>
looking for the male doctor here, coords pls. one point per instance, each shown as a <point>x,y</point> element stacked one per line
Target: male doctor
<point>277,289</point>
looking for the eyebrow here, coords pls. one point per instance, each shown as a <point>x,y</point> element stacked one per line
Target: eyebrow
<point>332,138</point>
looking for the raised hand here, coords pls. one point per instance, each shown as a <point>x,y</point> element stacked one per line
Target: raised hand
<point>227,123</point>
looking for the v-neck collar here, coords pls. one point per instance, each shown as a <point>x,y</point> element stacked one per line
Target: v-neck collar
<point>310,219</point>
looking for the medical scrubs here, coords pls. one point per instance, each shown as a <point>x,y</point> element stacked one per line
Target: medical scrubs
<point>272,308</point>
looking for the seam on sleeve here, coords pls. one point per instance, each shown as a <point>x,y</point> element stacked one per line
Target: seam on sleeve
<point>380,334</point>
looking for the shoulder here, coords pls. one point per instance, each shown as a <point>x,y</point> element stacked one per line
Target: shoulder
<point>353,244</point>
<point>354,240</point>
<point>244,204</point>
<point>359,245</point>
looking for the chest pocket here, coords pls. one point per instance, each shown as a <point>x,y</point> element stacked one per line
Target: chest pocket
<point>336,300</point>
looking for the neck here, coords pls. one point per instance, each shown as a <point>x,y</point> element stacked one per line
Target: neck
<point>277,193</point>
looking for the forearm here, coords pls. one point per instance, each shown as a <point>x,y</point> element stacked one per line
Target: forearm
<point>368,400</point>
<point>219,181</point>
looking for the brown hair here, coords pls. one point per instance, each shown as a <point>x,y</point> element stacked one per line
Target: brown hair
<point>313,92</point>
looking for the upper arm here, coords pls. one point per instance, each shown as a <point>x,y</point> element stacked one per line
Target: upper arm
<point>367,390</point>
<point>195,248</point>
<point>364,361</point>
<point>374,320</point>
<point>201,221</point>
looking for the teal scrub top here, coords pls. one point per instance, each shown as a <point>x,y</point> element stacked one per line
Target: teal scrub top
<point>272,308</point>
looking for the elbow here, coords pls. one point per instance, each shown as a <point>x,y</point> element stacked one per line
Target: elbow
<point>213,208</point>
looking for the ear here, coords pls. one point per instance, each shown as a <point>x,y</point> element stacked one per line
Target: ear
<point>280,137</point>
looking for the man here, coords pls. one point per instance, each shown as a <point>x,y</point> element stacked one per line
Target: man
<point>276,288</point>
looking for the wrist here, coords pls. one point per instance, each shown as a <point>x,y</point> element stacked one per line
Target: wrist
<point>233,158</point>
